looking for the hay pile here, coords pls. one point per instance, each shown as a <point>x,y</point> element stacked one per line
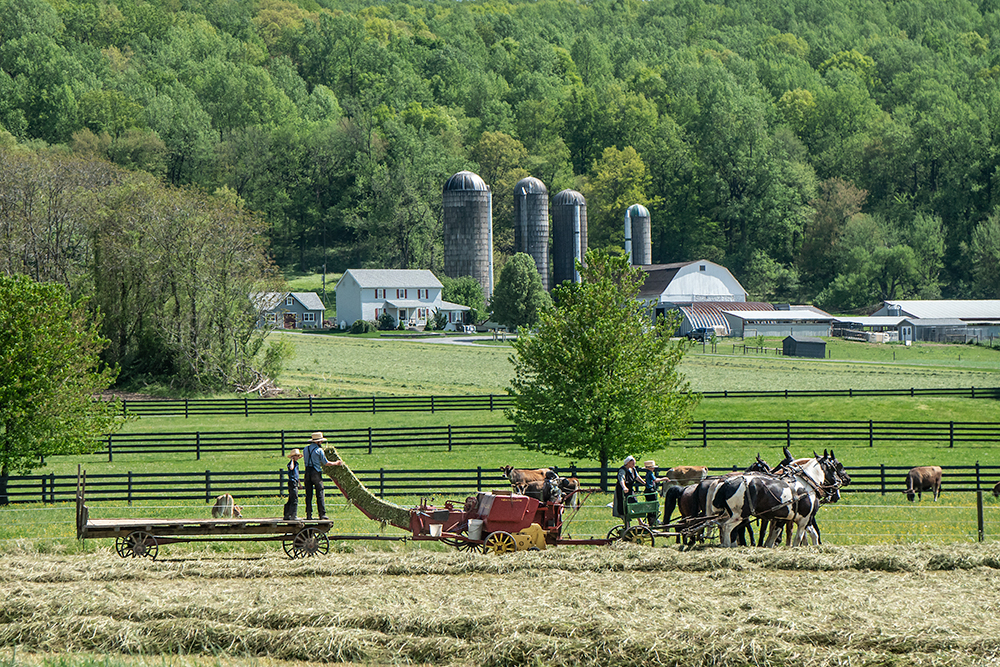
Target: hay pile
<point>361,497</point>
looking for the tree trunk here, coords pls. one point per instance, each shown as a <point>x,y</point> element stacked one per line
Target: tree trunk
<point>4,476</point>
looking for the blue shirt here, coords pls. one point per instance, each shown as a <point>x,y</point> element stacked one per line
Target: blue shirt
<point>293,471</point>
<point>314,457</point>
<point>650,482</point>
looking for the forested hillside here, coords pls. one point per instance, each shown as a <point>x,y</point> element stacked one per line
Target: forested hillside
<point>839,152</point>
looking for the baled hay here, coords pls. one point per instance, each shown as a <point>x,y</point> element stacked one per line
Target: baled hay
<point>364,499</point>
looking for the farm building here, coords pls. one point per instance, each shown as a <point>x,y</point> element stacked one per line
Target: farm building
<point>944,320</point>
<point>803,346</point>
<point>670,285</point>
<point>289,310</point>
<point>410,296</point>
<point>783,321</point>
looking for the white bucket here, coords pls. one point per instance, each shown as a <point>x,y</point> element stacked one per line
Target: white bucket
<point>475,529</point>
<point>435,530</point>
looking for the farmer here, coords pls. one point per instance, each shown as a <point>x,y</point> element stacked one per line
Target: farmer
<point>292,506</point>
<point>628,480</point>
<point>650,481</point>
<point>315,459</point>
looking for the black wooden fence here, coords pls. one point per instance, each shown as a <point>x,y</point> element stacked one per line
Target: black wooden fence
<point>444,483</point>
<point>313,405</point>
<point>704,433</point>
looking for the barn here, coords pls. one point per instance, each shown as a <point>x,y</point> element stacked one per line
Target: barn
<point>803,346</point>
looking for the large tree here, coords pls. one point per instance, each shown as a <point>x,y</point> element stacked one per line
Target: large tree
<point>599,380</point>
<point>50,373</point>
<point>519,297</point>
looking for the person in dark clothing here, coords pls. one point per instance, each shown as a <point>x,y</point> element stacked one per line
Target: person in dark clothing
<point>292,505</point>
<point>315,459</point>
<point>628,480</point>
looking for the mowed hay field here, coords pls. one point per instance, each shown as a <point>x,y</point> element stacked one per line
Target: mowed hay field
<point>894,583</point>
<point>620,605</point>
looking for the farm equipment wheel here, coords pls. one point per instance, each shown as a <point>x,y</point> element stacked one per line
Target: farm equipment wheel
<point>499,543</point>
<point>641,535</point>
<point>615,533</point>
<point>461,545</point>
<point>306,543</point>
<point>137,544</point>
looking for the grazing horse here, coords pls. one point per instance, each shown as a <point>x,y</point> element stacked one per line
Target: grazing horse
<point>794,497</point>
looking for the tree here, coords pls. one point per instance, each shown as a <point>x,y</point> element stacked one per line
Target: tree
<point>50,373</point>
<point>598,380</point>
<point>519,297</point>
<point>465,291</point>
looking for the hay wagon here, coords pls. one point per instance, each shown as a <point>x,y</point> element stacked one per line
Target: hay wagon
<point>141,538</point>
<point>639,506</point>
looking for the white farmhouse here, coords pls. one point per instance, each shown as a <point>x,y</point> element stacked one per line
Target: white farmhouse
<point>410,296</point>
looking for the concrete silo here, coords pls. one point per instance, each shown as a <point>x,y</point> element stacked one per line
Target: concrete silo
<point>638,236</point>
<point>569,235</point>
<point>468,229</point>
<point>531,223</point>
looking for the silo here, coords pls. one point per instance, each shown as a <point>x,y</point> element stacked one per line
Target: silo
<point>468,229</point>
<point>569,235</point>
<point>638,237</point>
<point>531,223</point>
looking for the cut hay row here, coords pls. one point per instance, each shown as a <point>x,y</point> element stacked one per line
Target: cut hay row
<point>617,606</point>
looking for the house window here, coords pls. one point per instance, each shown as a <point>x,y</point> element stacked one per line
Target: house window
<point>379,293</point>
<point>400,293</point>
<point>423,294</point>
<point>270,318</point>
<point>308,317</point>
<point>378,313</point>
<point>701,267</point>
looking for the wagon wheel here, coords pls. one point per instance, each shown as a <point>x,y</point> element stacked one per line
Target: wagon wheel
<point>137,544</point>
<point>306,543</point>
<point>615,533</point>
<point>499,543</point>
<point>639,535</point>
<point>461,545</point>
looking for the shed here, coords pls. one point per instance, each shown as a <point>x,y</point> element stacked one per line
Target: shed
<point>803,346</point>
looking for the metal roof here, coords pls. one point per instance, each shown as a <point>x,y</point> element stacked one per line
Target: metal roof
<point>393,278</point>
<point>935,321</point>
<point>408,303</point>
<point>530,186</point>
<point>448,305</point>
<point>465,180</point>
<point>569,198</point>
<point>880,321</point>
<point>779,315</point>
<point>637,211</point>
<point>946,308</point>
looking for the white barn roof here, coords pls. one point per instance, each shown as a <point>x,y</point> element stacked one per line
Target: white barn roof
<point>986,309</point>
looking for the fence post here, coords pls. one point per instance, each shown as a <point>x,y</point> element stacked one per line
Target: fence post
<point>369,439</point>
<point>246,407</point>
<point>788,433</point>
<point>882,472</point>
<point>479,478</point>
<point>381,482</point>
<point>281,482</point>
<point>449,437</point>
<point>208,486</point>
<point>871,435</point>
<point>951,434</point>
<point>130,488</point>
<point>52,488</point>
<point>432,409</point>
<point>109,448</point>
<point>973,396</point>
<point>979,514</point>
<point>197,446</point>
<point>185,408</point>
<point>282,442</point>
<point>978,487</point>
<point>491,402</point>
<point>43,488</point>
<point>704,433</point>
<point>310,405</point>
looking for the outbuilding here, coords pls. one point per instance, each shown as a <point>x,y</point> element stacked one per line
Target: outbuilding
<point>803,346</point>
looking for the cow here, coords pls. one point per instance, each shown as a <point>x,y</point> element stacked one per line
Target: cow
<point>226,508</point>
<point>923,478</point>
<point>520,478</point>
<point>996,490</point>
<point>570,487</point>
<point>682,476</point>
<point>546,491</point>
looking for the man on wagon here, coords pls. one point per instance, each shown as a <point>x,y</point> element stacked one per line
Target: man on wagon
<point>628,480</point>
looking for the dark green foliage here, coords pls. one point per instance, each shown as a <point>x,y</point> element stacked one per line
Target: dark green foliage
<point>519,298</point>
<point>465,291</point>
<point>364,326</point>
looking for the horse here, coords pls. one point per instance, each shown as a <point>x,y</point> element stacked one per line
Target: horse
<point>794,497</point>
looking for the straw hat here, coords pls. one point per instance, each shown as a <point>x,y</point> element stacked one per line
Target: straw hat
<point>317,437</point>
<point>295,454</point>
<point>649,465</point>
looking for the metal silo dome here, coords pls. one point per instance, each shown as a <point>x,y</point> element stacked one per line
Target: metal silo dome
<point>531,223</point>
<point>468,229</point>
<point>569,234</point>
<point>638,235</point>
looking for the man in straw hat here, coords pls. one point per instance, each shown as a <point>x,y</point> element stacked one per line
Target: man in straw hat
<point>628,480</point>
<point>651,480</point>
<point>292,506</point>
<point>315,459</point>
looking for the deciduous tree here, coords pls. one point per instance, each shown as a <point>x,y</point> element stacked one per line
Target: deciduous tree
<point>519,297</point>
<point>599,380</point>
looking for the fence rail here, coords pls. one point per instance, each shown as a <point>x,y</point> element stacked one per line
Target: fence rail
<point>448,436</point>
<point>133,487</point>
<point>313,405</point>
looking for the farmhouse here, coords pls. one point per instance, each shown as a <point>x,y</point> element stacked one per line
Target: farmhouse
<point>943,320</point>
<point>289,310</point>
<point>410,296</point>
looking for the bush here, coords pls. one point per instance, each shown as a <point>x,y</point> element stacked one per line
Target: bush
<point>386,322</point>
<point>362,326</point>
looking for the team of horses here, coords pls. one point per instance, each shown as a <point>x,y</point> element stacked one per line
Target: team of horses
<point>786,496</point>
